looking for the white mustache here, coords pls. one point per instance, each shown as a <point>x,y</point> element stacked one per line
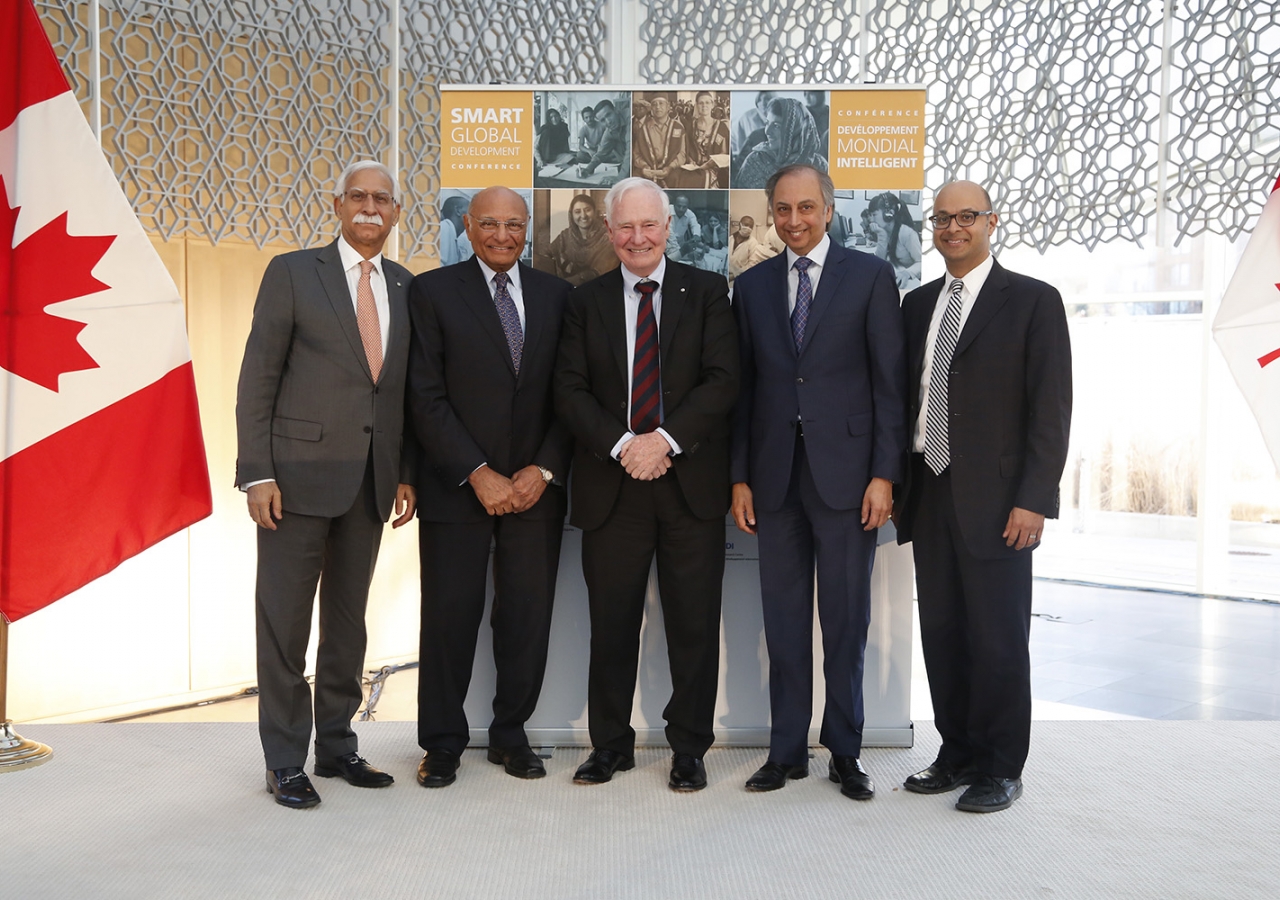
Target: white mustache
<point>364,219</point>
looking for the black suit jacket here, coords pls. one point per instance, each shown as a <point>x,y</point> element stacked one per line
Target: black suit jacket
<point>308,413</point>
<point>1009,396</point>
<point>698,349</point>
<point>848,383</point>
<point>468,405</point>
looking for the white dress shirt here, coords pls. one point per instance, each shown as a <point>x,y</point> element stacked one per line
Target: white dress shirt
<point>513,287</point>
<point>351,260</point>
<point>973,283</point>
<point>631,306</point>
<point>818,256</point>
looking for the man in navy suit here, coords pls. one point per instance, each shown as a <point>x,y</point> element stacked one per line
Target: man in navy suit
<point>818,439</point>
<point>990,389</point>
<point>485,333</point>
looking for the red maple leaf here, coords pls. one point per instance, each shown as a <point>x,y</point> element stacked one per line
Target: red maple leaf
<point>48,267</point>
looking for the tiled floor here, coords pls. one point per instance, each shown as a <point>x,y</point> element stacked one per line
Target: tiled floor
<point>1095,653</point>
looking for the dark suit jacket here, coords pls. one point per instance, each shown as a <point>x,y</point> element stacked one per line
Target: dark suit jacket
<point>698,348</point>
<point>307,410</point>
<point>1009,395</point>
<point>468,405</point>
<point>848,383</point>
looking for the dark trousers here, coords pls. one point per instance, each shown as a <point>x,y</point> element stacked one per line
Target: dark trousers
<point>339,553</point>
<point>455,560</point>
<point>975,621</point>
<point>803,534</point>
<point>652,518</point>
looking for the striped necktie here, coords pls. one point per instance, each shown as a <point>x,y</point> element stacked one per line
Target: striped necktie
<point>937,442</point>
<point>646,380</point>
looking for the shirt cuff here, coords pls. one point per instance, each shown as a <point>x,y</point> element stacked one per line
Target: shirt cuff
<point>675,447</point>
<point>245,487</point>
<point>472,472</point>
<point>622,442</point>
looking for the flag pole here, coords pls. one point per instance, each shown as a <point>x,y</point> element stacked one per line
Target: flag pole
<point>15,751</point>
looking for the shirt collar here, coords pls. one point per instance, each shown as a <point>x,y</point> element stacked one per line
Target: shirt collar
<point>631,279</point>
<point>351,257</point>
<point>513,273</point>
<point>975,278</point>
<point>818,255</point>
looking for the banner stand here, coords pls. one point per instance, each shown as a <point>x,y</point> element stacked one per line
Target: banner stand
<point>16,752</point>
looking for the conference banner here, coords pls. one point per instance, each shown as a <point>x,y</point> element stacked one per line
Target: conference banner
<point>711,147</point>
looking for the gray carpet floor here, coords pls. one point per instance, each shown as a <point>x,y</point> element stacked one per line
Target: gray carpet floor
<point>1137,809</point>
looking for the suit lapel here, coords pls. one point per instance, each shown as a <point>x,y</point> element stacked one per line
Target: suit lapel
<point>534,320</point>
<point>828,286</point>
<point>398,303</point>
<point>994,294</point>
<point>674,294</point>
<point>613,314</point>
<point>475,295</point>
<point>334,281</point>
<point>779,314</point>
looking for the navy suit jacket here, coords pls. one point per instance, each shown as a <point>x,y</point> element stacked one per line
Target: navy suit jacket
<point>1009,396</point>
<point>847,384</point>
<point>468,405</point>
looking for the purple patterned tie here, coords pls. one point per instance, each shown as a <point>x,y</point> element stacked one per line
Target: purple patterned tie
<point>646,380</point>
<point>804,298</point>
<point>509,317</point>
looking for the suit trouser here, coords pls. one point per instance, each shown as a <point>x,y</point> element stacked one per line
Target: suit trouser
<point>652,518</point>
<point>975,622</point>
<point>455,559</point>
<point>339,553</point>
<point>802,533</point>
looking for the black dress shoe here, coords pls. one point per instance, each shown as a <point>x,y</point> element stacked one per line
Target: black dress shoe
<point>990,794</point>
<point>854,781</point>
<point>439,768</point>
<point>687,773</point>
<point>939,778</point>
<point>291,787</point>
<point>355,770</point>
<point>520,761</point>
<point>772,776</point>
<point>601,765</point>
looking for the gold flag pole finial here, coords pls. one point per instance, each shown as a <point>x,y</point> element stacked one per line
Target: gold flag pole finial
<point>16,752</point>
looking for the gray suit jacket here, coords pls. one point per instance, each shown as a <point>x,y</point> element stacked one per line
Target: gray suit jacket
<point>307,410</point>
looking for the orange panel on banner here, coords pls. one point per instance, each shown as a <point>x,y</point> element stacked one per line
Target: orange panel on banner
<point>487,138</point>
<point>877,140</point>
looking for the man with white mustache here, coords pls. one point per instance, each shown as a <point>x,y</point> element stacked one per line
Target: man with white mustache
<point>320,427</point>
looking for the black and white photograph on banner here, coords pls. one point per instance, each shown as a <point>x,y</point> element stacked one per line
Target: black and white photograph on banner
<point>772,129</point>
<point>581,138</point>
<point>657,138</point>
<point>705,117</point>
<point>886,223</point>
<point>569,236</point>
<point>700,229</point>
<point>752,237</point>
<point>452,242</point>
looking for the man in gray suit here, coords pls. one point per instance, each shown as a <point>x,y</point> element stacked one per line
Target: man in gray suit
<point>320,424</point>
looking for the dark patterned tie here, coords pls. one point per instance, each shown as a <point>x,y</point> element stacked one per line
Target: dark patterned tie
<point>646,381</point>
<point>509,317</point>
<point>804,299</point>
<point>937,443</point>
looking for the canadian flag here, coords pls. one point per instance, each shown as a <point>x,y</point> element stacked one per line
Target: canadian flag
<point>102,454</point>
<point>1247,326</point>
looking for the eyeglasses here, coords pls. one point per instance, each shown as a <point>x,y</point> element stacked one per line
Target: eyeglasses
<point>964,218</point>
<point>489,226</point>
<point>380,198</point>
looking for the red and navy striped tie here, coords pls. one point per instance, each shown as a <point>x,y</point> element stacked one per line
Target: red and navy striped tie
<point>646,381</point>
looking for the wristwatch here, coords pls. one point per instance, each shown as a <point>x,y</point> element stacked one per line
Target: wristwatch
<point>546,475</point>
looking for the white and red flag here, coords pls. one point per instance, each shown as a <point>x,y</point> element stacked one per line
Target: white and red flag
<point>102,452</point>
<point>1247,327</point>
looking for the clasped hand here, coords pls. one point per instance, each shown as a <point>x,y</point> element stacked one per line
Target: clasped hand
<point>501,495</point>
<point>646,456</point>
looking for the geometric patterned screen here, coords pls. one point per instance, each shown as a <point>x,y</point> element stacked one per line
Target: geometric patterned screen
<point>231,119</point>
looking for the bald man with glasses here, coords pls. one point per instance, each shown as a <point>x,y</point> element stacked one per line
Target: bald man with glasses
<point>989,360</point>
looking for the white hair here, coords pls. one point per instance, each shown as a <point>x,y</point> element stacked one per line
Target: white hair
<point>635,183</point>
<point>359,166</point>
